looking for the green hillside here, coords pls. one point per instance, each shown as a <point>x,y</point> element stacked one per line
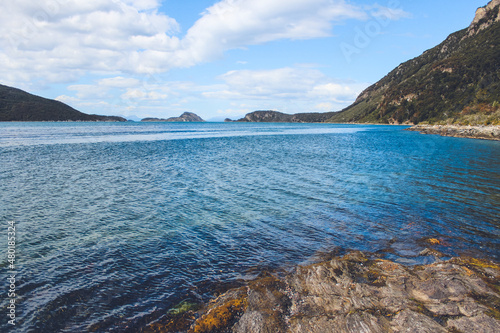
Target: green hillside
<point>18,105</point>
<point>457,81</point>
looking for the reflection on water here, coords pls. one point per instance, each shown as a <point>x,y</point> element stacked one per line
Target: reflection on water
<point>117,223</point>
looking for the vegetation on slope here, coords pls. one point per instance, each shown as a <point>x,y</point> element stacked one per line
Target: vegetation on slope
<point>18,105</point>
<point>457,81</point>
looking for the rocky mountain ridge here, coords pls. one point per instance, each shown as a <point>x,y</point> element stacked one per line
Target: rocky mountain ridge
<point>456,81</point>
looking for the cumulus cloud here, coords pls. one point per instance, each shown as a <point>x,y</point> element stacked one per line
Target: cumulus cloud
<point>119,82</point>
<point>125,44</point>
<point>62,40</point>
<point>285,84</point>
<point>72,37</point>
<point>134,94</point>
<point>233,24</point>
<point>288,89</point>
<point>393,13</point>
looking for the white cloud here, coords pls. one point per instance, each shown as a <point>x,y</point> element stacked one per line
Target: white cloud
<point>297,83</point>
<point>67,99</point>
<point>334,90</point>
<point>234,112</point>
<point>62,40</point>
<point>121,45</point>
<point>119,82</point>
<point>231,24</point>
<point>88,91</point>
<point>139,94</point>
<point>325,107</point>
<point>289,89</point>
<point>394,13</point>
<point>72,37</point>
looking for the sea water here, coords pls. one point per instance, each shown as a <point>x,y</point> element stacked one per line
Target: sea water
<point>117,223</point>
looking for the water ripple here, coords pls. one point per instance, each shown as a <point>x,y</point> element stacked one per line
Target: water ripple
<point>118,223</point>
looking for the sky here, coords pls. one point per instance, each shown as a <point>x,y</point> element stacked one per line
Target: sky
<point>218,59</point>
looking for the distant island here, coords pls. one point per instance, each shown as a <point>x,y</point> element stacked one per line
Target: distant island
<point>18,105</point>
<point>270,116</point>
<point>185,117</point>
<point>456,82</point>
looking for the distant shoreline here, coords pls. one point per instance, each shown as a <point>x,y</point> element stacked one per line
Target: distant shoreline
<point>458,131</point>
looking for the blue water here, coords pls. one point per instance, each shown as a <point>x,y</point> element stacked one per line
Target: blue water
<point>119,222</point>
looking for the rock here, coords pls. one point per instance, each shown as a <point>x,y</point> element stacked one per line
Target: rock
<point>431,252</point>
<point>473,132</point>
<point>478,324</point>
<point>357,294</point>
<point>409,321</point>
<point>482,16</point>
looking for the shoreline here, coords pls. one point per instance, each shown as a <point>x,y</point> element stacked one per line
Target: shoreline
<point>355,291</point>
<point>460,131</point>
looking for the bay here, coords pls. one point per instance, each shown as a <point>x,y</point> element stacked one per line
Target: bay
<point>117,223</point>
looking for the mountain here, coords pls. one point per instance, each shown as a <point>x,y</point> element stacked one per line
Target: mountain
<point>185,117</point>
<point>279,117</point>
<point>457,81</point>
<point>18,105</point>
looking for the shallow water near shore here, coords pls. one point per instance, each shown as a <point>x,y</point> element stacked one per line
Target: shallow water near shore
<point>117,223</point>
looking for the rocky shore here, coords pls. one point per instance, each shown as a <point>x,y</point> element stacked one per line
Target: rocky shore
<point>355,293</point>
<point>473,132</point>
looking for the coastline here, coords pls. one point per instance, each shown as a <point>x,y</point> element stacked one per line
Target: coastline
<point>355,292</point>
<point>459,131</point>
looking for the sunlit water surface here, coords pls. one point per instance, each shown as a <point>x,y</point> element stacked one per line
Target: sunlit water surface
<point>119,222</point>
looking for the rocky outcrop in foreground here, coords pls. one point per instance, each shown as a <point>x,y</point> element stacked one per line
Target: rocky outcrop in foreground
<point>356,294</point>
<point>473,132</point>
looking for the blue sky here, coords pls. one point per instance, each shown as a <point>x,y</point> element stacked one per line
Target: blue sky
<point>151,58</point>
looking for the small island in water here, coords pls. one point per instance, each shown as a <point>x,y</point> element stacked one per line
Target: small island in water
<point>185,117</point>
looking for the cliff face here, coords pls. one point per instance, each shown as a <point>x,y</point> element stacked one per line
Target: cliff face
<point>458,80</point>
<point>18,105</point>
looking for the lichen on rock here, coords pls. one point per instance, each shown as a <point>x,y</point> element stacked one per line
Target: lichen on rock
<point>357,294</point>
